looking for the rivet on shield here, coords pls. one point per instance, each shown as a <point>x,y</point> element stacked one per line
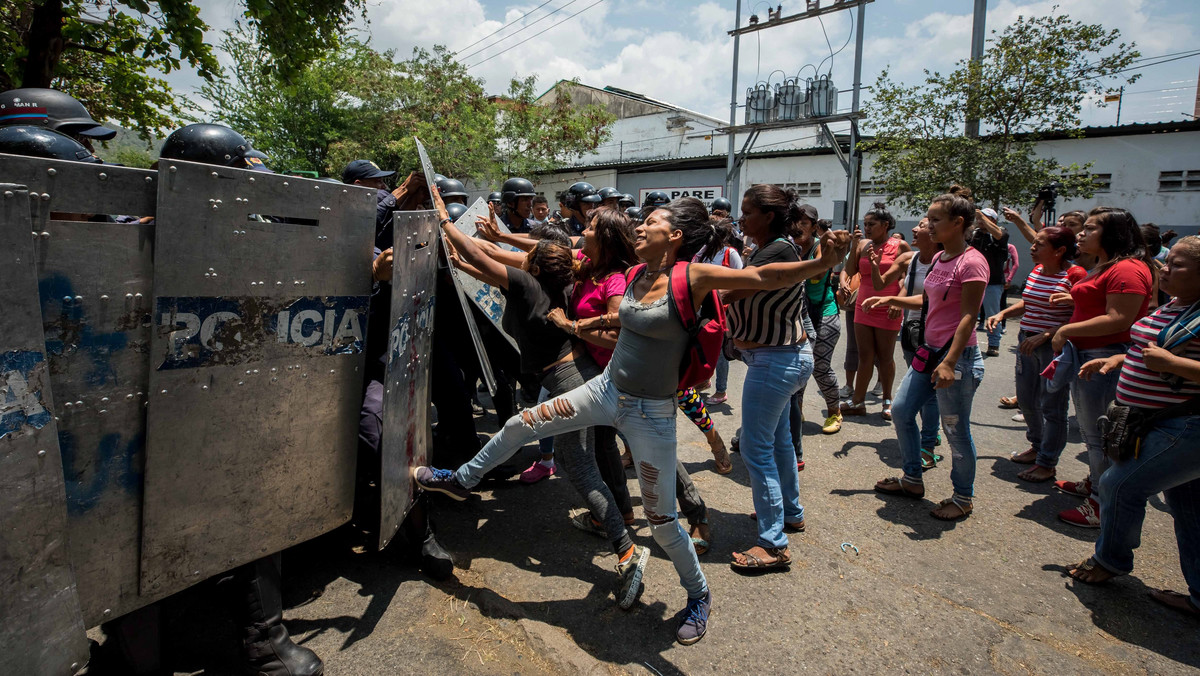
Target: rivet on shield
<point>108,611</point>
<point>8,194</point>
<point>315,187</point>
<point>332,371</point>
<point>251,179</point>
<point>195,572</point>
<point>45,197</point>
<point>68,405</point>
<point>51,171</point>
<point>164,391</point>
<point>149,179</point>
<point>66,300</point>
<point>41,454</point>
<point>241,382</point>
<point>44,235</point>
<point>104,296</point>
<point>103,400</point>
<point>79,403</point>
<point>103,176</point>
<point>286,184</point>
<point>204,387</point>
<point>173,170</point>
<point>129,397</point>
<point>78,299</point>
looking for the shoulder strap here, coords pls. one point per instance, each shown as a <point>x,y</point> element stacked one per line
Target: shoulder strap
<point>681,294</point>
<point>633,272</point>
<point>912,272</point>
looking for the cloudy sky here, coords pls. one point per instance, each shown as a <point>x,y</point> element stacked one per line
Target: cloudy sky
<point>679,51</point>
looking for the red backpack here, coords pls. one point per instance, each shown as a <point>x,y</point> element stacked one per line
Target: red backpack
<point>706,330</point>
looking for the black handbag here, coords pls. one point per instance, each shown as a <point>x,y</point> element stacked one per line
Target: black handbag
<point>910,330</point>
<point>1122,428</point>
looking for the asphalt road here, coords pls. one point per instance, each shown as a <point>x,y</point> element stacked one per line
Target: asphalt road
<point>534,595</point>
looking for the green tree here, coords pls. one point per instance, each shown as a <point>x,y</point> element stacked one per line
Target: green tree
<point>1034,79</point>
<point>105,52</point>
<point>355,102</point>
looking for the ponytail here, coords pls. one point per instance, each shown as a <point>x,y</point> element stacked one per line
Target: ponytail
<point>879,212</point>
<point>958,204</point>
<point>690,216</point>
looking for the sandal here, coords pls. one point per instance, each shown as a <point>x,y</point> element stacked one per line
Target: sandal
<point>887,409</point>
<point>797,527</point>
<point>722,460</point>
<point>1084,572</point>
<point>1028,475</point>
<point>854,408</point>
<point>942,514</point>
<point>1025,457</point>
<point>896,486</point>
<point>1175,601</point>
<point>929,459</point>
<point>1008,402</point>
<point>696,532</point>
<point>782,559</point>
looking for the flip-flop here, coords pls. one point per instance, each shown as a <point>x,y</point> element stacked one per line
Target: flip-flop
<point>727,466</point>
<point>964,512</point>
<point>1175,601</point>
<point>929,459</point>
<point>899,489</point>
<point>1008,402</point>
<point>700,544</point>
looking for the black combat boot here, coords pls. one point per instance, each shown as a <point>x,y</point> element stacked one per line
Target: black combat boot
<point>434,561</point>
<point>268,649</point>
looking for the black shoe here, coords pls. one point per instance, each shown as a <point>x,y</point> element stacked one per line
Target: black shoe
<point>436,562</point>
<point>268,649</point>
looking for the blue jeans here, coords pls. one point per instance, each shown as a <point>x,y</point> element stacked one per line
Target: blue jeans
<point>1092,398</point>
<point>954,403</point>
<point>993,296</point>
<point>1045,411</point>
<point>773,375</point>
<point>722,373</point>
<point>929,414</point>
<point>649,427</point>
<point>1168,463</point>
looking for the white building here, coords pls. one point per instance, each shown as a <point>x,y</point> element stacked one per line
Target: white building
<point>1151,169</point>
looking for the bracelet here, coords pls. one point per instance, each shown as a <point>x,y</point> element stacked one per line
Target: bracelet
<point>575,327</point>
<point>445,221</point>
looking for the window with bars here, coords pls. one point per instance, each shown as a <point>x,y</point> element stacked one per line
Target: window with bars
<point>1173,181</point>
<point>1102,182</point>
<point>873,187</point>
<point>803,189</point>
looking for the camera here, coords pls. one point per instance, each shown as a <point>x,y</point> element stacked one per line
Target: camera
<point>1048,194</point>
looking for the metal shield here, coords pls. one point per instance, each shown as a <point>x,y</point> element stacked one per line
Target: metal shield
<point>95,280</point>
<point>406,425</point>
<point>260,298</point>
<point>485,366</point>
<point>486,297</point>
<point>41,629</point>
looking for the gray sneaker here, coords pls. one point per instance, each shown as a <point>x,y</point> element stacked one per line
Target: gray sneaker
<point>440,480</point>
<point>631,577</point>
<point>584,522</point>
<point>877,391</point>
<point>695,620</point>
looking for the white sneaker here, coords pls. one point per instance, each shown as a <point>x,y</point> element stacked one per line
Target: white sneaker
<point>1020,417</point>
<point>878,391</point>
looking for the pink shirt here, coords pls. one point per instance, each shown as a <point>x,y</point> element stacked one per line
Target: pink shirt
<point>878,317</point>
<point>944,287</point>
<point>591,300</point>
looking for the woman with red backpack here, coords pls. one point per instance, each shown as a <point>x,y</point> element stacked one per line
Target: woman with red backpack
<point>654,356</point>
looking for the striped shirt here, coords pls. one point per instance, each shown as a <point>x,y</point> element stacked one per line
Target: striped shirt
<point>770,317</point>
<point>1040,316</point>
<point>1141,386</point>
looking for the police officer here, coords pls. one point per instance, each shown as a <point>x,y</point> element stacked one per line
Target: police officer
<point>721,208</point>
<point>53,110</point>
<point>634,214</point>
<point>452,191</point>
<point>368,174</point>
<point>610,197</point>
<point>494,198</point>
<point>625,201</point>
<point>516,197</point>
<point>41,142</point>
<point>575,204</point>
<point>654,200</point>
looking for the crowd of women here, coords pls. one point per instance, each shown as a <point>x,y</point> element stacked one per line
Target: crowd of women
<point>605,320</point>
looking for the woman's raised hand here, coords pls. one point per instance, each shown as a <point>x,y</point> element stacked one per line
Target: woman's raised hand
<point>834,246</point>
<point>488,227</point>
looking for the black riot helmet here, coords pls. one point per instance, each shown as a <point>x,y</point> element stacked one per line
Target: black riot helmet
<point>721,204</point>
<point>608,193</point>
<point>51,109</point>
<point>627,201</point>
<point>578,193</point>
<point>33,141</point>
<point>438,178</point>
<point>208,144</point>
<point>515,188</point>
<point>452,190</point>
<point>455,210</point>
<point>654,200</point>
<point>634,214</point>
<point>494,198</point>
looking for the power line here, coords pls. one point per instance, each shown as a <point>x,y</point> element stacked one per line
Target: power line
<point>548,29</point>
<point>547,2</point>
<point>518,32</point>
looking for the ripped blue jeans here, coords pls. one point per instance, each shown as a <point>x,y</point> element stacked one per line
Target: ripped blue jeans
<point>649,427</point>
<point>954,405</point>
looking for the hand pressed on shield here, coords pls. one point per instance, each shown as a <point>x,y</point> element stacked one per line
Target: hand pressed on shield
<point>381,267</point>
<point>488,227</point>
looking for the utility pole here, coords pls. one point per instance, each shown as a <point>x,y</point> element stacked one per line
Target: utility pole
<point>1120,99</point>
<point>977,39</point>
<point>731,183</point>
<point>854,175</point>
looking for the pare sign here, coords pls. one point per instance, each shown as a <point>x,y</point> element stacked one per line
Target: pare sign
<point>706,193</point>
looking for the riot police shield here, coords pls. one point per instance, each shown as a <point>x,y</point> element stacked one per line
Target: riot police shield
<point>94,278</point>
<point>486,297</point>
<point>41,629</point>
<point>260,297</point>
<point>406,424</point>
<point>485,366</point>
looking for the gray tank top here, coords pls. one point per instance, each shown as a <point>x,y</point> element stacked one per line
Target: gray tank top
<point>650,347</point>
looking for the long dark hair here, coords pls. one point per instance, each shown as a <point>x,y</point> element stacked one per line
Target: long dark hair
<point>614,243</point>
<point>553,266</point>
<point>690,216</point>
<point>785,205</point>
<point>1121,239</point>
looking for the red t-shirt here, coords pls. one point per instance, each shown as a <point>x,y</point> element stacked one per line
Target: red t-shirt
<point>1091,298</point>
